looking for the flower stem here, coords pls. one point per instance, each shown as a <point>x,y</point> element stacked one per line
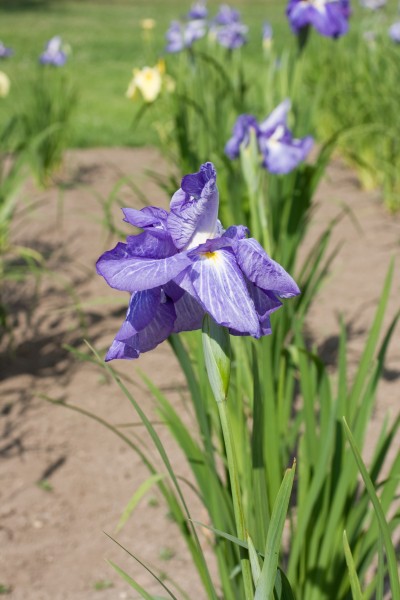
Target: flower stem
<point>236,495</point>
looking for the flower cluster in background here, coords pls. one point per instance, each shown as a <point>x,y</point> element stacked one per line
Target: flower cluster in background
<point>184,265</point>
<point>280,152</point>
<point>225,28</point>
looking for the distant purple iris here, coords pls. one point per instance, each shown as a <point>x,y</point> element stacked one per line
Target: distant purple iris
<point>232,36</point>
<point>198,11</point>
<point>227,28</point>
<point>227,15</point>
<point>182,35</point>
<point>394,32</point>
<point>54,54</point>
<point>5,52</point>
<point>280,152</point>
<point>184,265</point>
<point>328,17</point>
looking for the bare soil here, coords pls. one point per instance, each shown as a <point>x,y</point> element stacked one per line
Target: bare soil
<point>52,541</point>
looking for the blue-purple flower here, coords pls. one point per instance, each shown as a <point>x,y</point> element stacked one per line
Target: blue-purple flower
<point>394,32</point>
<point>198,11</point>
<point>54,53</point>
<point>227,28</point>
<point>328,17</point>
<point>4,51</point>
<point>182,35</point>
<point>184,265</point>
<point>280,151</point>
<point>232,36</point>
<point>227,15</point>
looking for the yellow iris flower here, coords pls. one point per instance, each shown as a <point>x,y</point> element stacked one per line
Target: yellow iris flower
<point>4,85</point>
<point>149,82</point>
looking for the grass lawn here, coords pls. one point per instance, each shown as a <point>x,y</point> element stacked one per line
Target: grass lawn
<point>107,42</point>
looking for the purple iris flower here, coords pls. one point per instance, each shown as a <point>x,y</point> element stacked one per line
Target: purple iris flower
<point>280,152</point>
<point>227,15</point>
<point>240,135</point>
<point>198,11</point>
<point>5,52</point>
<point>232,36</point>
<point>182,35</point>
<point>184,265</point>
<point>394,32</point>
<point>54,54</point>
<point>328,17</point>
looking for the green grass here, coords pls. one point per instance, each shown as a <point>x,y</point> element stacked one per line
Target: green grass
<point>107,43</point>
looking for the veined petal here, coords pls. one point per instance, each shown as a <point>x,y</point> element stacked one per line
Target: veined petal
<point>133,274</point>
<point>153,243</point>
<point>149,216</point>
<point>221,290</point>
<point>157,330</point>
<point>141,311</point>
<point>264,272</point>
<point>194,209</point>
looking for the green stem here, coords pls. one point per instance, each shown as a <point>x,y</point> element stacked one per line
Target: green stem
<point>236,495</point>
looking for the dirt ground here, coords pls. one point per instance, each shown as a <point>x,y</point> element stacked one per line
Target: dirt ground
<point>52,537</point>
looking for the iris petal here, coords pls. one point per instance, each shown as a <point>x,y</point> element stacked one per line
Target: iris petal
<point>157,330</point>
<point>264,272</point>
<point>222,291</point>
<point>132,274</point>
<point>281,157</point>
<point>194,209</point>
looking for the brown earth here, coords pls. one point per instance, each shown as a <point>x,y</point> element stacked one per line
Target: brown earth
<point>52,541</point>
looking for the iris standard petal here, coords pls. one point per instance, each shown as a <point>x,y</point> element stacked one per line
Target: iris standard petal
<point>133,274</point>
<point>277,118</point>
<point>221,288</point>
<point>264,272</point>
<point>149,216</point>
<point>194,209</point>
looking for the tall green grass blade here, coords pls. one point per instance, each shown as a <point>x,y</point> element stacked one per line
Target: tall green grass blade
<point>267,578</point>
<point>354,581</point>
<point>137,496</point>
<point>131,582</point>
<point>383,526</point>
<point>254,561</point>
<point>142,564</point>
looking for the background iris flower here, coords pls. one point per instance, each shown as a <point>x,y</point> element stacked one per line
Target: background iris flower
<point>4,85</point>
<point>4,51</point>
<point>280,151</point>
<point>394,32</point>
<point>54,53</point>
<point>328,17</point>
<point>198,11</point>
<point>149,82</point>
<point>182,35</point>
<point>184,265</point>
